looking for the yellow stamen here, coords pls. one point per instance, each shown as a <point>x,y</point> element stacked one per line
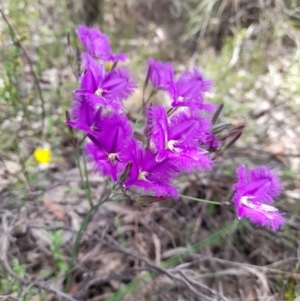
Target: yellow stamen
<point>108,65</point>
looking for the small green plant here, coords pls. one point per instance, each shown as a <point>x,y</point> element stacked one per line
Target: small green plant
<point>60,265</point>
<point>9,284</point>
<point>120,233</point>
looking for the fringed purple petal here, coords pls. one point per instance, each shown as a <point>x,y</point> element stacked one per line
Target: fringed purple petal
<point>116,133</point>
<point>108,148</point>
<point>191,84</point>
<point>84,115</point>
<point>97,44</point>
<point>161,75</point>
<point>105,90</point>
<point>163,171</point>
<point>191,159</point>
<point>118,85</point>
<point>102,164</point>
<point>93,74</point>
<point>270,219</point>
<point>189,90</point>
<point>261,183</point>
<point>189,125</point>
<point>263,173</point>
<point>100,101</point>
<point>148,174</point>
<point>158,127</point>
<point>243,179</point>
<point>161,190</point>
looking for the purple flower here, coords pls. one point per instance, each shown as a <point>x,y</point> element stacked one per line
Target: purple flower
<point>104,89</point>
<point>178,138</point>
<point>161,74</point>
<point>108,148</point>
<point>189,90</point>
<point>254,191</point>
<point>97,44</point>
<point>148,174</point>
<point>85,117</point>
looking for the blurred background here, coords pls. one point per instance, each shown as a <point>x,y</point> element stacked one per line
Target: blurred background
<point>251,51</point>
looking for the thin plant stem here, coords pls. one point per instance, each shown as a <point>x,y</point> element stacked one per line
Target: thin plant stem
<point>77,239</point>
<point>199,200</point>
<point>88,194</point>
<point>78,163</point>
<point>19,45</point>
<point>87,183</point>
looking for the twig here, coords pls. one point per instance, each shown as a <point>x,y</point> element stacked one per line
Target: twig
<point>27,282</point>
<point>54,228</point>
<point>248,266</point>
<point>25,291</point>
<point>197,283</point>
<point>10,297</point>
<point>18,44</point>
<point>115,246</point>
<point>22,176</point>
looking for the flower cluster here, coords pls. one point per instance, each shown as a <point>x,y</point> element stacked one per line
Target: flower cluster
<point>176,140</point>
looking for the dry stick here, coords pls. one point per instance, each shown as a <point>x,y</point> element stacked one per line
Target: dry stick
<point>71,53</point>
<point>21,178</point>
<point>4,262</point>
<point>197,283</point>
<point>145,86</point>
<point>25,291</point>
<point>114,245</point>
<point>18,44</point>
<point>246,266</point>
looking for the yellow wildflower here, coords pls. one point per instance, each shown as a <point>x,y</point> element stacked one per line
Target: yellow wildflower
<point>42,155</point>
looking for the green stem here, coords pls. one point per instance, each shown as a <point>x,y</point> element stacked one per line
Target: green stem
<point>88,193</point>
<point>87,183</point>
<point>77,239</point>
<point>199,200</point>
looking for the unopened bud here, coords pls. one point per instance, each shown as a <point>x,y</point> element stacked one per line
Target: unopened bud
<point>220,127</point>
<point>124,175</point>
<point>70,129</point>
<point>148,199</point>
<point>217,113</point>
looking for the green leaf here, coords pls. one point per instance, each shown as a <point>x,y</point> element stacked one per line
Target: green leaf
<point>63,266</point>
